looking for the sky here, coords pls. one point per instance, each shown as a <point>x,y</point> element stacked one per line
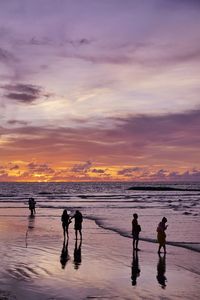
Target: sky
<point>99,90</point>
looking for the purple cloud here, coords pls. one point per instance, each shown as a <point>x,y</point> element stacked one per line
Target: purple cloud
<point>98,171</point>
<point>82,167</point>
<point>164,175</point>
<point>25,93</point>
<point>193,175</point>
<point>128,171</point>
<point>40,168</point>
<point>147,140</point>
<point>17,122</point>
<point>25,98</point>
<point>15,167</point>
<point>6,56</point>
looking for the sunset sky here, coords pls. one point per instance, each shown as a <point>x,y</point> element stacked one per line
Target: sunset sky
<point>99,90</point>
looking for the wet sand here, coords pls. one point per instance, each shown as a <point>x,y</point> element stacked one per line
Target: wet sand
<point>35,265</point>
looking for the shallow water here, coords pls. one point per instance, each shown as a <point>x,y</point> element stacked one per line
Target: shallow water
<point>112,206</point>
<point>103,266</point>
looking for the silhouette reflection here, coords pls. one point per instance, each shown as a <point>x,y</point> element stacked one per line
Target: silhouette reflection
<point>64,257</point>
<point>135,269</point>
<point>161,269</point>
<point>31,225</point>
<point>77,255</point>
<point>31,222</point>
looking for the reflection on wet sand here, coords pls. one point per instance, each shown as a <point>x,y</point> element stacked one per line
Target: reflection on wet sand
<point>135,269</point>
<point>31,225</point>
<point>161,269</point>
<point>77,254</point>
<point>64,257</point>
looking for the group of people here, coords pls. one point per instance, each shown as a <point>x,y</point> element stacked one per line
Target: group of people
<point>78,219</point>
<point>66,220</point>
<point>161,235</point>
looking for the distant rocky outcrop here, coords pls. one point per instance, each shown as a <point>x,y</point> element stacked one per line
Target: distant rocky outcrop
<point>160,188</point>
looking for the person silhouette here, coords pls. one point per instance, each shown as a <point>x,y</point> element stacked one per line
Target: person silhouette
<point>66,220</point>
<point>135,269</point>
<point>64,257</point>
<point>161,269</point>
<point>135,231</point>
<point>78,219</point>
<point>161,235</point>
<point>31,204</point>
<point>77,255</point>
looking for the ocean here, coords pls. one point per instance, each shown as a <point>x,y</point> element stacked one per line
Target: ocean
<point>111,205</point>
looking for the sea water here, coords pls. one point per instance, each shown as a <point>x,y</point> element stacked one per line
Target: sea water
<point>111,205</point>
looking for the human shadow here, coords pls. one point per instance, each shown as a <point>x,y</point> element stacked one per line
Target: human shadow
<point>31,226</point>
<point>161,269</point>
<point>64,256</point>
<point>135,268</point>
<point>77,254</point>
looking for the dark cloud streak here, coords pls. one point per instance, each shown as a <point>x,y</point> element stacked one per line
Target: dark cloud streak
<point>82,167</point>
<point>16,122</point>
<point>22,97</point>
<point>6,56</point>
<point>24,93</point>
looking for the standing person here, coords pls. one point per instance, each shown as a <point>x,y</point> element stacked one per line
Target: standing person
<point>135,231</point>
<point>78,218</point>
<point>34,203</point>
<point>161,235</point>
<point>31,203</point>
<point>65,218</point>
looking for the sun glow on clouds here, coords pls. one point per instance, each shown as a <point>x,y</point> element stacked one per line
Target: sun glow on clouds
<point>88,171</point>
<point>111,83</point>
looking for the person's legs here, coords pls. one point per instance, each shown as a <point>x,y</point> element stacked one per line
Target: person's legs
<point>80,233</point>
<point>67,231</point>
<point>164,247</point>
<point>76,233</point>
<point>63,226</point>
<point>137,240</point>
<point>159,248</point>
<point>133,243</point>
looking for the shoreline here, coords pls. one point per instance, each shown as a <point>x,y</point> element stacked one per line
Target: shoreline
<point>107,266</point>
<point>192,246</point>
<point>184,245</point>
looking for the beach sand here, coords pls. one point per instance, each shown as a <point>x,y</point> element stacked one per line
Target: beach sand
<point>34,264</point>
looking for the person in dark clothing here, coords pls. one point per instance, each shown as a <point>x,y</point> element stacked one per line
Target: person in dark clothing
<point>66,220</point>
<point>161,235</point>
<point>135,231</point>
<point>31,204</point>
<point>78,219</point>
